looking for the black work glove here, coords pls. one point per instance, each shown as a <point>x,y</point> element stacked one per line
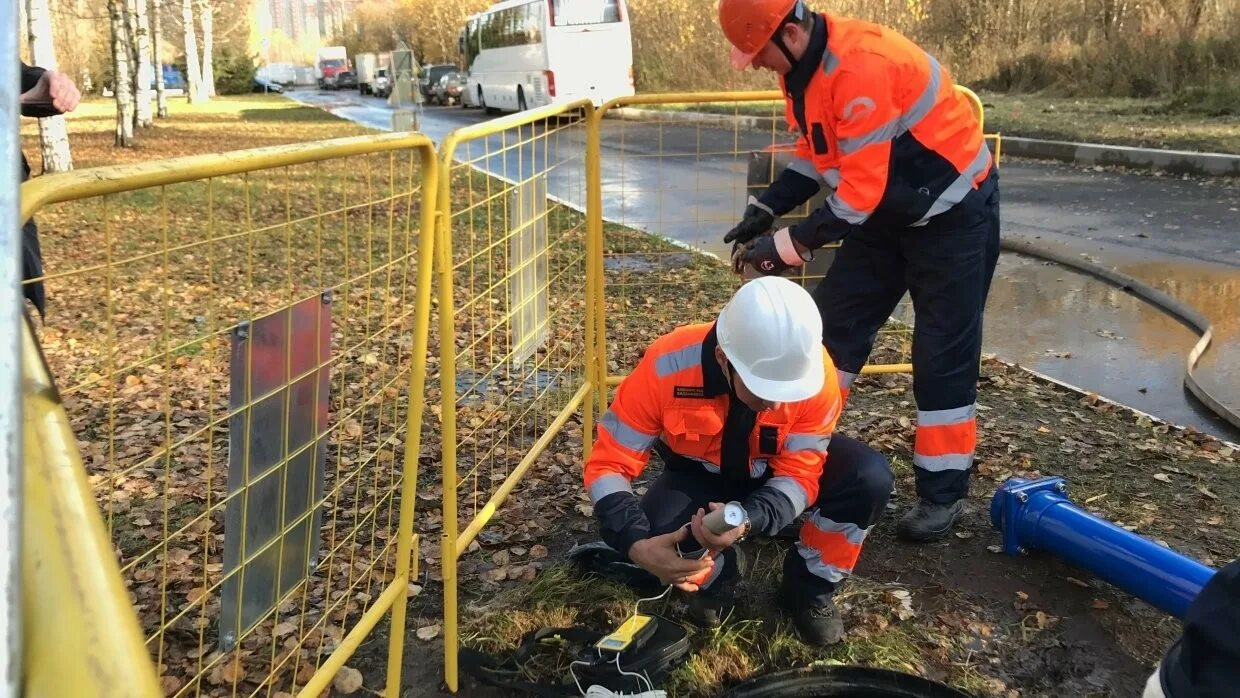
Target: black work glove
<point>769,254</point>
<point>758,219</point>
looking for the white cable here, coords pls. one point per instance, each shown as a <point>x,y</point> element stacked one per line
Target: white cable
<point>641,680</point>
<point>601,692</point>
<point>637,607</point>
<point>574,675</point>
<point>597,691</point>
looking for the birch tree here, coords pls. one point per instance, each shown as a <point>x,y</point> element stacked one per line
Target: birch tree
<point>143,45</point>
<point>193,81</point>
<point>122,77</point>
<point>206,13</point>
<point>161,97</point>
<point>53,135</point>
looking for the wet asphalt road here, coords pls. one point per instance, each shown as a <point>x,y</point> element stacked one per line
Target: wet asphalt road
<point>687,182</point>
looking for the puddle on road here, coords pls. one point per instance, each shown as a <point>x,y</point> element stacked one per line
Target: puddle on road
<point>1097,337</point>
<point>1215,291</point>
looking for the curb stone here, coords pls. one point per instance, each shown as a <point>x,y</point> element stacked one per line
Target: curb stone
<point>1173,161</point>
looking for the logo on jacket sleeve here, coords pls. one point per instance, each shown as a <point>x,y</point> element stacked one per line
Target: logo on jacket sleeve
<point>690,391</point>
<point>859,108</point>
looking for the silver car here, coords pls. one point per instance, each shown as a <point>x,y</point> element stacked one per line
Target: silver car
<point>383,84</point>
<point>449,88</point>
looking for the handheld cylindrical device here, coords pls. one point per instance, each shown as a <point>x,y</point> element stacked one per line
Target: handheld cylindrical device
<point>725,518</point>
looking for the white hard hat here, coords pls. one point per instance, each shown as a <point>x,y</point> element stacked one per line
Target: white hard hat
<point>771,332</point>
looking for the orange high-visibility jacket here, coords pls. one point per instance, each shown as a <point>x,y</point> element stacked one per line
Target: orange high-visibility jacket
<point>880,121</point>
<point>677,401</point>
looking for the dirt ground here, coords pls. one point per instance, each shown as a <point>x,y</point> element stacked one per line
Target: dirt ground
<point>957,611</point>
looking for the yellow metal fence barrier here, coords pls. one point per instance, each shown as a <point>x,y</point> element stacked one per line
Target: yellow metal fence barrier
<point>562,244</point>
<point>656,195</point>
<point>515,353</point>
<point>239,341</point>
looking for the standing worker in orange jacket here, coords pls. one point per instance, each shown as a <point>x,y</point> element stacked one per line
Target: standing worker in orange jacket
<point>741,409</point>
<point>915,202</point>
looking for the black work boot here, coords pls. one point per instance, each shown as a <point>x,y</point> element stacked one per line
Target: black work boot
<point>818,625</point>
<point>927,521</point>
<point>708,608</point>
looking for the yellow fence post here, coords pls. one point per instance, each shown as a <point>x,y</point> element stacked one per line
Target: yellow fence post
<point>594,279</point>
<point>447,400</point>
<point>413,425</point>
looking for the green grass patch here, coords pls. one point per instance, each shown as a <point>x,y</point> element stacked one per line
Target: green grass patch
<point>1196,120</point>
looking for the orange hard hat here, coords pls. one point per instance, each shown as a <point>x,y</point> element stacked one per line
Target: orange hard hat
<point>749,24</point>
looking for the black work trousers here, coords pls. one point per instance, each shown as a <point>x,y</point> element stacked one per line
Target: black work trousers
<point>946,267</point>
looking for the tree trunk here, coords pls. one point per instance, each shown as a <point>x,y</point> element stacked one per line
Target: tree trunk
<point>122,78</point>
<point>206,13</point>
<point>161,98</point>
<point>53,135</point>
<point>131,17</point>
<point>193,81</point>
<point>143,44</point>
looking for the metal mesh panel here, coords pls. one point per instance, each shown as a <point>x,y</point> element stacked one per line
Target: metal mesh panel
<point>163,278</point>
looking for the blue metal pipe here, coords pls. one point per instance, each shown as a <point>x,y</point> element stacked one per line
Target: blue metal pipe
<point>1035,515</point>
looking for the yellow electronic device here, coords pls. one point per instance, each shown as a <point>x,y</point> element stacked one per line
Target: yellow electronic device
<point>633,632</point>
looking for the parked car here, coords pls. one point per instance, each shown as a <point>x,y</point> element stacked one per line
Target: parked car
<point>265,85</point>
<point>449,88</point>
<point>429,77</point>
<point>469,93</point>
<point>383,83</point>
<point>346,80</point>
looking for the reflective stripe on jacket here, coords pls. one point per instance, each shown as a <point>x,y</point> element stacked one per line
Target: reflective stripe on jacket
<point>677,399</point>
<point>880,122</point>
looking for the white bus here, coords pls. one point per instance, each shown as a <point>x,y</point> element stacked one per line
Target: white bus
<point>522,54</point>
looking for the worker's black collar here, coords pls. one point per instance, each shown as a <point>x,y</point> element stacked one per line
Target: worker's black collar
<point>797,79</point>
<point>714,383</point>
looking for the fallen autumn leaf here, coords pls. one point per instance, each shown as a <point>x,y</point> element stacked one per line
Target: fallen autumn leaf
<point>348,680</point>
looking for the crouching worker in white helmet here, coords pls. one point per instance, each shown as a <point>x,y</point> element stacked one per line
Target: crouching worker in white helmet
<point>740,409</point>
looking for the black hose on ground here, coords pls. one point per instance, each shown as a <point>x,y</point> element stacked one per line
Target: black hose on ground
<point>841,682</point>
<point>1186,314</point>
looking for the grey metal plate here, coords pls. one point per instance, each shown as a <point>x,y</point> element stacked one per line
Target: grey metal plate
<point>527,257</point>
<point>275,464</point>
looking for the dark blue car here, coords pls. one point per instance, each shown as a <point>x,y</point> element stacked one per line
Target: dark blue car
<point>173,79</point>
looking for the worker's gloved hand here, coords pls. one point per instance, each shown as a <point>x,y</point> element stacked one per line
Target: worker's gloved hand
<point>770,254</point>
<point>758,219</point>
